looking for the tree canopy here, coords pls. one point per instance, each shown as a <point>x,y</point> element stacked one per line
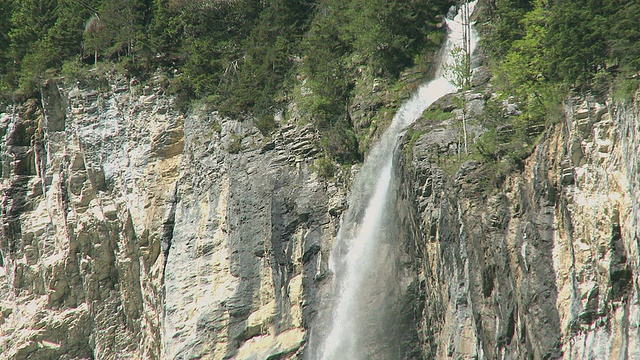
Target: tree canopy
<point>241,55</point>
<point>246,56</point>
<point>563,41</point>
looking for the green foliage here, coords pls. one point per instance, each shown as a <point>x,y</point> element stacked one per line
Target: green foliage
<point>524,71</point>
<point>216,127</point>
<point>268,57</point>
<point>575,42</point>
<point>5,27</point>
<point>501,149</point>
<point>165,31</point>
<point>182,89</point>
<point>243,56</point>
<point>383,33</point>
<point>504,25</point>
<point>437,114</point>
<point>5,63</point>
<point>235,145</point>
<point>458,73</point>
<point>413,137</point>
<point>32,19</point>
<point>240,56</point>
<point>538,44</point>
<point>266,124</point>
<point>87,77</point>
<point>325,167</point>
<point>623,34</point>
<point>123,24</point>
<point>324,64</point>
<point>375,38</point>
<point>523,65</point>
<point>340,143</point>
<point>625,88</point>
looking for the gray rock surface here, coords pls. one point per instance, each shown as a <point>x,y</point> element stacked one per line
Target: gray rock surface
<point>245,249</point>
<point>130,230</point>
<point>545,265</point>
<point>86,179</point>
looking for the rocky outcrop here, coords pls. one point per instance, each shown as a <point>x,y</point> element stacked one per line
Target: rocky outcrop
<point>251,218</point>
<point>132,231</point>
<point>543,262</point>
<point>87,177</point>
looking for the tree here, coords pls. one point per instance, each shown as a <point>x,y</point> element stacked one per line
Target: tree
<point>64,38</point>
<point>325,49</point>
<point>166,28</point>
<point>31,21</point>
<point>505,25</point>
<point>458,72</point>
<point>575,44</point>
<point>121,24</point>
<point>213,39</point>
<point>623,36</point>
<point>93,39</point>
<point>5,28</point>
<point>524,72</point>
<point>269,53</point>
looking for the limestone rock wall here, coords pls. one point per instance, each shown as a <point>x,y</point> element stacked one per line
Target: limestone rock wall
<point>546,266</point>
<point>132,231</point>
<point>245,260</point>
<point>87,180</point>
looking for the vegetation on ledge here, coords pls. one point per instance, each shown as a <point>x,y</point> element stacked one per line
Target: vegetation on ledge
<point>244,57</point>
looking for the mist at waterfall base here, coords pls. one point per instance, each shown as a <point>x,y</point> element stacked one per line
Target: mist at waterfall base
<point>372,310</point>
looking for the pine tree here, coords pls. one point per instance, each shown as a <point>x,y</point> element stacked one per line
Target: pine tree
<point>575,44</point>
<point>5,28</point>
<point>623,35</point>
<point>165,28</point>
<point>31,21</point>
<point>123,26</point>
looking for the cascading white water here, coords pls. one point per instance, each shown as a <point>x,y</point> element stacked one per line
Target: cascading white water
<point>359,244</point>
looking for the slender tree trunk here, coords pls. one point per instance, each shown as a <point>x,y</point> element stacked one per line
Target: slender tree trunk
<point>464,127</point>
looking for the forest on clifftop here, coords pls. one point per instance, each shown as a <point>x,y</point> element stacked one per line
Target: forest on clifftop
<point>251,58</point>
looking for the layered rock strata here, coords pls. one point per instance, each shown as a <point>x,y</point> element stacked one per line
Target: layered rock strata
<point>132,231</point>
<point>87,177</point>
<point>545,265</point>
<point>251,219</point>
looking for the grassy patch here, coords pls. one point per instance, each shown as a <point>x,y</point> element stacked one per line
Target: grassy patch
<point>437,114</point>
<point>624,88</point>
<point>325,167</point>
<point>235,146</point>
<point>216,126</point>
<point>413,135</point>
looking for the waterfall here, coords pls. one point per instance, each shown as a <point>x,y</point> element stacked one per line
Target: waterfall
<point>362,258</point>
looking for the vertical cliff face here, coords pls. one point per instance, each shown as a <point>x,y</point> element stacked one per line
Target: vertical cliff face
<point>87,178</point>
<point>132,231</point>
<point>543,266</point>
<point>250,221</point>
